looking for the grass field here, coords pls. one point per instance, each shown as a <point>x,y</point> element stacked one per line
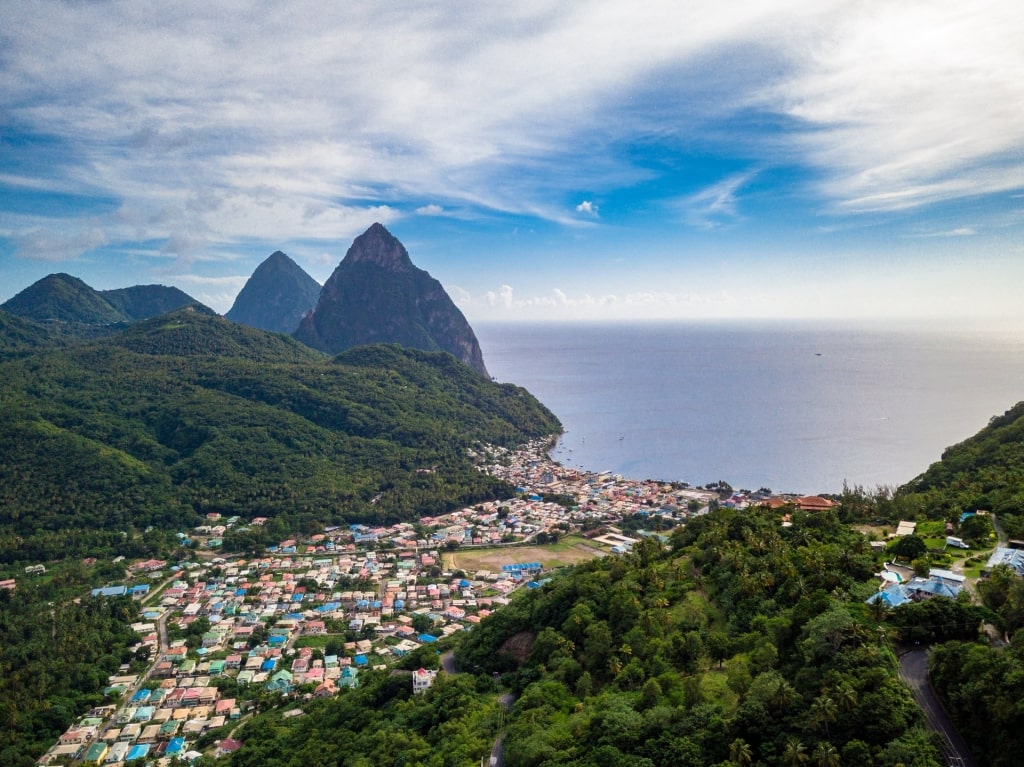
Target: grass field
<point>567,551</point>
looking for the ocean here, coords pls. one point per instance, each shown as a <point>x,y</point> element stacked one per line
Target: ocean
<point>792,407</point>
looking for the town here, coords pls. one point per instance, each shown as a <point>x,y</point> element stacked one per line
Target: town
<point>304,619</point>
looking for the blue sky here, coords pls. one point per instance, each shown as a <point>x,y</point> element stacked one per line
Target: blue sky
<point>544,160</point>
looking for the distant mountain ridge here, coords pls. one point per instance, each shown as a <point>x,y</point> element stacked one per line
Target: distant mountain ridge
<point>276,296</point>
<point>377,295</point>
<point>63,298</point>
<point>140,302</point>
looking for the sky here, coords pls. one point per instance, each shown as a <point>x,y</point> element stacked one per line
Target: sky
<point>820,159</point>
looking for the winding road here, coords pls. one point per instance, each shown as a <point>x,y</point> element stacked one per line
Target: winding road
<point>914,671</point>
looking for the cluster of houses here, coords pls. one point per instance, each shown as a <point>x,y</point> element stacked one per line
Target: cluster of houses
<point>310,615</point>
<point>150,725</point>
<point>897,588</point>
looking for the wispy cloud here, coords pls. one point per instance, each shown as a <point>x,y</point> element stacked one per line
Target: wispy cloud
<point>58,243</point>
<point>911,103</point>
<point>556,303</point>
<point>220,124</point>
<point>716,205</point>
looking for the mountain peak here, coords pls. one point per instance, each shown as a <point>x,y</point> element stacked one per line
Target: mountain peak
<point>377,295</point>
<point>378,246</point>
<point>276,296</point>
<point>63,298</point>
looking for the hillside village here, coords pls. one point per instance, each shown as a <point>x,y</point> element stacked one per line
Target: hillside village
<point>311,614</point>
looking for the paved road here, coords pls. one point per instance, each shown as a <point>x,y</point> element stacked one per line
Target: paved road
<point>914,671</point>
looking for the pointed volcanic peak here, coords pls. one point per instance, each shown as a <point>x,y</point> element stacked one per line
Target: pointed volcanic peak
<point>140,302</point>
<point>63,298</point>
<point>276,296</point>
<point>376,295</point>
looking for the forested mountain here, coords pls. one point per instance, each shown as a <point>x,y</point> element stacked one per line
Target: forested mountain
<point>377,295</point>
<point>189,413</point>
<point>82,311</point>
<point>140,302</point>
<point>62,298</point>
<point>983,472</point>
<point>276,296</point>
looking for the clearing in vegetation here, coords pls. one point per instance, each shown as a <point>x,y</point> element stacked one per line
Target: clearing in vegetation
<point>568,551</point>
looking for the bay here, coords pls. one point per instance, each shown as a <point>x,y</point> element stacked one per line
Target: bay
<point>794,407</point>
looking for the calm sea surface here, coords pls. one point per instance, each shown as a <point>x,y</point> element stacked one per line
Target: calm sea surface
<point>795,408</point>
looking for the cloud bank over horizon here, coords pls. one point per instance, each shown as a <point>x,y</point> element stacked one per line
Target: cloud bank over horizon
<point>637,161</point>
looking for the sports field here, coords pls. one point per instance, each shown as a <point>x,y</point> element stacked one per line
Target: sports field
<point>568,551</point>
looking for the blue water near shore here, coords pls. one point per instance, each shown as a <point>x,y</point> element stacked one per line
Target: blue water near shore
<point>789,406</point>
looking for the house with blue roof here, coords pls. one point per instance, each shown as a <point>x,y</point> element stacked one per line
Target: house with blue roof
<point>1012,558</point>
<point>349,677</point>
<point>140,751</point>
<point>939,583</point>
<point>280,682</point>
<point>110,591</point>
<point>893,595</point>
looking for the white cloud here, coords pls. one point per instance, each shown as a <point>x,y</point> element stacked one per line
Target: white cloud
<point>910,103</point>
<point>559,304</point>
<point>58,243</point>
<point>717,204</point>
<point>219,124</point>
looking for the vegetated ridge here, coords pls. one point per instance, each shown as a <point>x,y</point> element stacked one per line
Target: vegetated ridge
<point>189,413</point>
<point>61,298</point>
<point>984,472</point>
<point>276,296</point>
<point>377,295</point>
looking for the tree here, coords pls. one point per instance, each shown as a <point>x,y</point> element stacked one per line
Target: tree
<point>909,547</point>
<point>826,755</point>
<point>719,646</point>
<point>975,529</point>
<point>650,694</point>
<point>740,753</point>
<point>823,712</point>
<point>795,753</point>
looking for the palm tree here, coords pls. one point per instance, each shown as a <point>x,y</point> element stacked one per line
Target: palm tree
<point>783,696</point>
<point>795,753</point>
<point>823,712</point>
<point>825,755</point>
<point>740,753</point>
<point>846,698</point>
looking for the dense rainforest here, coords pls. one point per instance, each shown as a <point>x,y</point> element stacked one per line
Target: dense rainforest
<point>56,654</point>
<point>189,413</point>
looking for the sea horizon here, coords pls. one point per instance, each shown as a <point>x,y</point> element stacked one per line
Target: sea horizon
<point>792,405</point>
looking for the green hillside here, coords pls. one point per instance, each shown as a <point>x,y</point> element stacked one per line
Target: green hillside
<point>985,472</point>
<point>63,298</point>
<point>141,302</point>
<point>20,337</point>
<point>189,413</point>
